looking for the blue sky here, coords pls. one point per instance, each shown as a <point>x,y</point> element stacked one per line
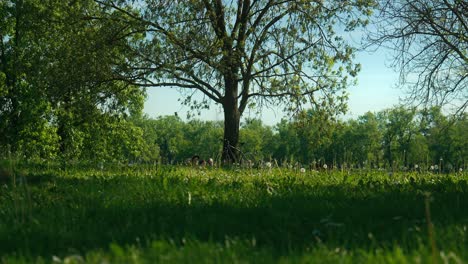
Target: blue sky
<point>375,91</point>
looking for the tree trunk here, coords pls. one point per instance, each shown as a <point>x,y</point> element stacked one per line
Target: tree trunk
<point>231,136</point>
<point>231,124</point>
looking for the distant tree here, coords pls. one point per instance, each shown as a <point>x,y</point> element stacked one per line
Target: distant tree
<point>361,141</point>
<point>255,138</point>
<point>315,128</point>
<point>430,39</point>
<point>151,150</point>
<point>398,129</point>
<point>243,52</point>
<point>369,129</point>
<point>204,137</point>
<point>287,142</point>
<point>444,136</point>
<point>458,154</point>
<point>171,139</point>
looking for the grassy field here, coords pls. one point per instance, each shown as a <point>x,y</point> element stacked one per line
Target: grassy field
<point>186,215</point>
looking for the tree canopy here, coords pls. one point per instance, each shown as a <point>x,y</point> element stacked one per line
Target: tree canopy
<point>244,53</point>
<point>57,92</point>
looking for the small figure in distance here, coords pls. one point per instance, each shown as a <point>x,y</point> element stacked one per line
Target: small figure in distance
<point>210,162</point>
<point>195,160</point>
<point>201,162</point>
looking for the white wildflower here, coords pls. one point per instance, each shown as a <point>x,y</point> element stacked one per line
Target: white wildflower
<point>325,166</point>
<point>303,170</point>
<point>74,259</point>
<point>268,165</point>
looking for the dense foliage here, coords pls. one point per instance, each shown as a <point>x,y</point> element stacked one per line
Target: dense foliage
<point>58,93</point>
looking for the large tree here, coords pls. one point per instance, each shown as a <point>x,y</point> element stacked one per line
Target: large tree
<point>56,86</point>
<point>430,39</point>
<point>23,109</point>
<point>244,53</point>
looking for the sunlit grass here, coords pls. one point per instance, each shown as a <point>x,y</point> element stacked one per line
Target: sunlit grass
<point>148,214</point>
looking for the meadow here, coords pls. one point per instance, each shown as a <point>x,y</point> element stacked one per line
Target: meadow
<point>175,214</point>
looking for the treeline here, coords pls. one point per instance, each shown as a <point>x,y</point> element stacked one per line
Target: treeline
<point>395,138</point>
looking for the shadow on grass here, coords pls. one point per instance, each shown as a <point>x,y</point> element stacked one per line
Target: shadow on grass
<point>61,216</point>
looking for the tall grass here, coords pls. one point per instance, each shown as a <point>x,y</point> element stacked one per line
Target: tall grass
<point>148,214</point>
